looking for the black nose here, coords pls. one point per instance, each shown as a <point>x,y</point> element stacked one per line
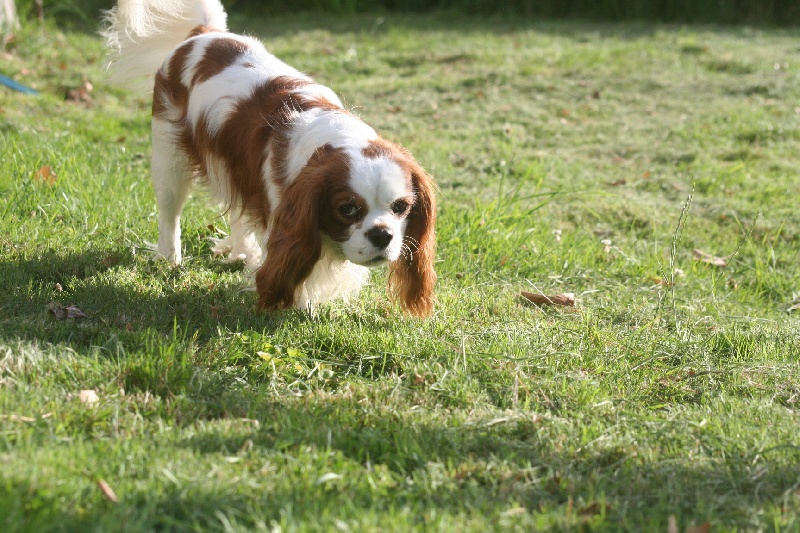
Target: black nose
<point>379,237</point>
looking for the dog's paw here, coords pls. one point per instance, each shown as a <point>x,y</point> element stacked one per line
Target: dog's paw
<point>151,250</point>
<point>244,250</point>
<point>221,246</point>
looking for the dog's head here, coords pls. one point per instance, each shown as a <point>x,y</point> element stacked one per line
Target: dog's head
<point>373,205</point>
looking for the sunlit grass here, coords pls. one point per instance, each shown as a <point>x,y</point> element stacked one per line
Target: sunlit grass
<point>570,158</point>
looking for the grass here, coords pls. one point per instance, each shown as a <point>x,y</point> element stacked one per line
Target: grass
<point>645,404</point>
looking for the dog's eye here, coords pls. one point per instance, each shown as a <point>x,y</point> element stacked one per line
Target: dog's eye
<point>348,210</point>
<point>400,207</point>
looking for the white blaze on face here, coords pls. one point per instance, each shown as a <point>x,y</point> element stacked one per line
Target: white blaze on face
<point>380,182</point>
<point>315,128</point>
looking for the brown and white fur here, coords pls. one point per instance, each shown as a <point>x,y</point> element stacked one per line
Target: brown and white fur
<point>314,196</point>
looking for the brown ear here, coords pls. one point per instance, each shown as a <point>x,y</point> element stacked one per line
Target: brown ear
<point>294,245</point>
<point>412,276</point>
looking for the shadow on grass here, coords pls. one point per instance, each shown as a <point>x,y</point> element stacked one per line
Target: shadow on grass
<point>122,296</point>
<point>478,470</point>
<point>137,307</point>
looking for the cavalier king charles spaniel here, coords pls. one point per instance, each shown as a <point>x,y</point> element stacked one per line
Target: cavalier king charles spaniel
<point>314,196</point>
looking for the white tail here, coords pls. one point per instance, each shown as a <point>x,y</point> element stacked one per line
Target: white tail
<point>140,34</point>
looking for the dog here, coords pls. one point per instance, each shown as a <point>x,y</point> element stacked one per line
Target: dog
<point>315,197</point>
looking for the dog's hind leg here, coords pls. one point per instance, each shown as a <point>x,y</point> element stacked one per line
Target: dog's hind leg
<point>172,179</point>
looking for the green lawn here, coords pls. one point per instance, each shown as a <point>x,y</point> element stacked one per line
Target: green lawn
<point>589,159</point>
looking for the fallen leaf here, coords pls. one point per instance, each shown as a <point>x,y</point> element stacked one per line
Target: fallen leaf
<point>712,260</point>
<point>660,281</point>
<point>108,492</point>
<point>80,94</point>
<point>63,313</point>
<point>46,175</point>
<point>567,299</point>
<point>89,397</point>
<point>393,109</point>
<point>594,508</point>
<point>702,528</point>
<point>616,183</point>
<point>111,260</point>
<point>121,139</point>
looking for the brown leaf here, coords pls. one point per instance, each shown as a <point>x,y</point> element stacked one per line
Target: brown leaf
<point>82,93</point>
<point>567,299</point>
<point>394,109</point>
<point>660,281</point>
<point>111,260</point>
<point>712,260</point>
<point>62,313</point>
<point>594,508</point>
<point>616,183</point>
<point>46,175</point>
<point>108,492</point>
<point>702,528</point>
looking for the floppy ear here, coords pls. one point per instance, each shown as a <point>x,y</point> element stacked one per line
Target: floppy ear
<point>412,276</point>
<point>293,247</point>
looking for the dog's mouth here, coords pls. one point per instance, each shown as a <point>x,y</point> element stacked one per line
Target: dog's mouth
<point>377,260</point>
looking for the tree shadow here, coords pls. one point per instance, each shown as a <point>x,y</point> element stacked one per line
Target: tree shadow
<point>460,470</point>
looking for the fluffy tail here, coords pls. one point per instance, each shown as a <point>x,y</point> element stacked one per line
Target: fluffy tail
<point>140,34</point>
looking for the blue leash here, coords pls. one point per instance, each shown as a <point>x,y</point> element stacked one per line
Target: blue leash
<point>8,82</point>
